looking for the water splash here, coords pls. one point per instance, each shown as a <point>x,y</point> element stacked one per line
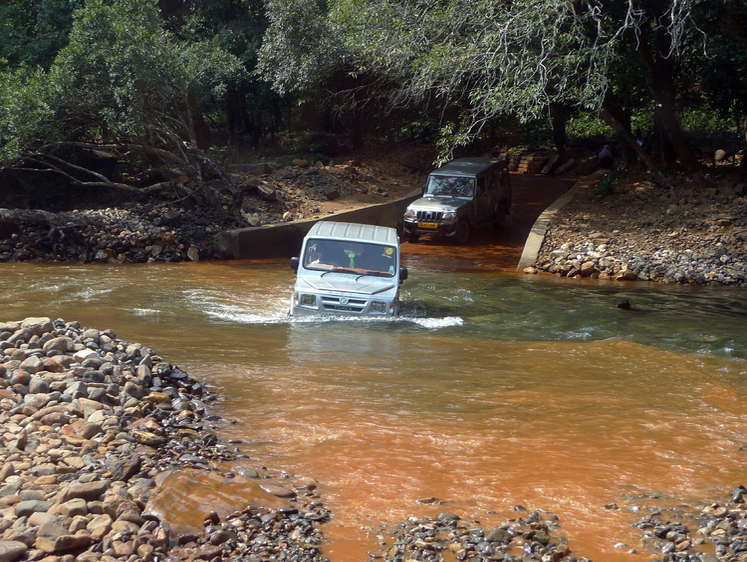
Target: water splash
<point>437,323</point>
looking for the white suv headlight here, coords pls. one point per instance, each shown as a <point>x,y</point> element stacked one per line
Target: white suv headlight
<point>449,216</point>
<point>308,300</point>
<point>378,307</point>
<point>411,213</point>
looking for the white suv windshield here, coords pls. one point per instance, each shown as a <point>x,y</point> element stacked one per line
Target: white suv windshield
<point>454,186</point>
<point>352,257</point>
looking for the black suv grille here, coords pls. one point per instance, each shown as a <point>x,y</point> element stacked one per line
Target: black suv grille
<point>430,215</point>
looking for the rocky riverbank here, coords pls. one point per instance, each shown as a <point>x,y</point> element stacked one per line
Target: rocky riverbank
<point>684,533</point>
<point>170,228</point>
<point>132,233</point>
<point>88,424</point>
<point>92,427</point>
<point>628,228</point>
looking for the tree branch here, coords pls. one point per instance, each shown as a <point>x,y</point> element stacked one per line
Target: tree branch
<point>103,182</point>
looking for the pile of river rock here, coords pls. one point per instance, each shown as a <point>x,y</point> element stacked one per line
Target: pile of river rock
<point>86,423</point>
<point>692,233</point>
<point>133,233</point>
<point>685,533</point>
<point>521,539</point>
<point>690,533</point>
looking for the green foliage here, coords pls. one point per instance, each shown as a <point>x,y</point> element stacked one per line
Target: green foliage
<point>703,120</point>
<point>588,126</point>
<point>32,33</point>
<point>449,71</point>
<point>421,129</point>
<point>488,59</point>
<point>708,127</point>
<point>722,65</point>
<point>26,116</point>
<point>473,62</point>
<point>299,47</point>
<point>123,69</point>
<point>604,187</point>
<point>122,76</point>
<point>236,26</point>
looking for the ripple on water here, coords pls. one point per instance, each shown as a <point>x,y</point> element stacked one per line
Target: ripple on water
<point>145,311</point>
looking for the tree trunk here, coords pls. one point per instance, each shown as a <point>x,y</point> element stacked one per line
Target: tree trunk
<point>611,104</point>
<point>202,131</point>
<point>559,117</point>
<point>661,66</point>
<point>239,122</point>
<point>358,117</point>
<point>664,147</point>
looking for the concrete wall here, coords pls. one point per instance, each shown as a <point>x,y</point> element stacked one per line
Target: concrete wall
<point>284,240</point>
<point>539,229</point>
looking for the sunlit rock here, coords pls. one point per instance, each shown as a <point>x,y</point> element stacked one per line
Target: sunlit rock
<point>187,496</point>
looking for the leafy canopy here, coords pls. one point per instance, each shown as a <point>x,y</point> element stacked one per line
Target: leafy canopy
<point>299,47</point>
<point>487,58</point>
<point>33,32</point>
<point>122,77</point>
<point>25,112</point>
<point>124,70</point>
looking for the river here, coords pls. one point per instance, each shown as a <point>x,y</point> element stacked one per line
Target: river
<point>494,389</point>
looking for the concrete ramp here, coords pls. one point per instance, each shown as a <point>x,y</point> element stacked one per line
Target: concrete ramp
<point>283,240</point>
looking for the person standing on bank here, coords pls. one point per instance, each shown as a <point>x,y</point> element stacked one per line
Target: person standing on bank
<point>605,157</point>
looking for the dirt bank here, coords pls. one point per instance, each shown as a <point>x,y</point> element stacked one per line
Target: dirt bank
<point>627,228</point>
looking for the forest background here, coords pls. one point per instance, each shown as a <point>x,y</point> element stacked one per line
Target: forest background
<point>147,98</point>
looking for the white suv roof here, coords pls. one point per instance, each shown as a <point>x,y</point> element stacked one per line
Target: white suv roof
<point>354,231</point>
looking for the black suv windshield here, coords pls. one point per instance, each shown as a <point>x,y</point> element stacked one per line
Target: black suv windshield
<point>352,257</point>
<point>454,186</point>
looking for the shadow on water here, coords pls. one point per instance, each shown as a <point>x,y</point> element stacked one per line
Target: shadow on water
<point>523,309</point>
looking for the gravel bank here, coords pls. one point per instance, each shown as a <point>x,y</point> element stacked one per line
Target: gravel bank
<point>695,233</point>
<point>133,233</point>
<point>87,422</point>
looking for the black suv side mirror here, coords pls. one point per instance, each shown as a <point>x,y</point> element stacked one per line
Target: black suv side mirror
<point>294,264</point>
<point>402,274</point>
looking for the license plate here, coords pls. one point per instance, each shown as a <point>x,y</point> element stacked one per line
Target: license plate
<point>427,225</point>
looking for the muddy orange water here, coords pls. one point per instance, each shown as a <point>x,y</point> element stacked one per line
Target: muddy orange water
<point>493,390</point>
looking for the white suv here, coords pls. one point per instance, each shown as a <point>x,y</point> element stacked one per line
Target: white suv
<point>348,268</point>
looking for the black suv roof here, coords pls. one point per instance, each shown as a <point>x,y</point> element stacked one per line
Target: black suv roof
<point>470,167</point>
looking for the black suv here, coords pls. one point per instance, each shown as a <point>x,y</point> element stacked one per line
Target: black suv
<point>462,195</point>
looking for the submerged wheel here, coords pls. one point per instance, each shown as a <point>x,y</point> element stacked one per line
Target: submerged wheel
<point>462,232</point>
